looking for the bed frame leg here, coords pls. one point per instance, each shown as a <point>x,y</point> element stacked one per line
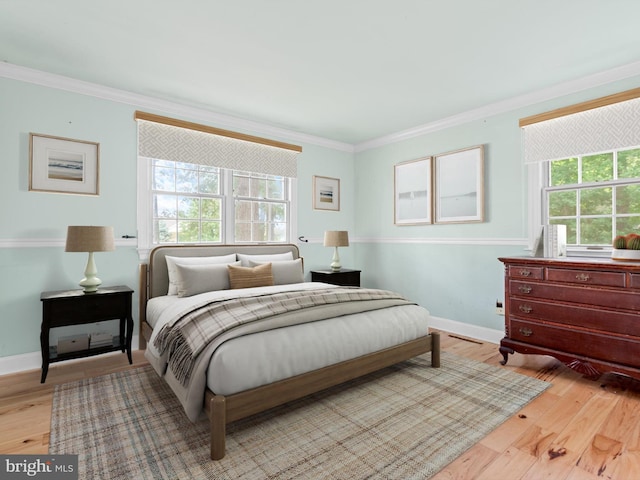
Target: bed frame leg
<point>435,349</point>
<point>218,426</point>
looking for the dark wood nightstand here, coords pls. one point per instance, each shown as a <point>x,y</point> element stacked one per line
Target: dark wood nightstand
<point>74,307</point>
<point>345,277</point>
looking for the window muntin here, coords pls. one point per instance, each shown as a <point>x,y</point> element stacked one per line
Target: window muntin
<point>596,196</point>
<point>190,203</point>
<point>261,207</point>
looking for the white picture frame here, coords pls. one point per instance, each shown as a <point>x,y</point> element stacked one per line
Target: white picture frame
<point>412,192</point>
<point>459,186</point>
<point>326,193</point>
<point>63,165</point>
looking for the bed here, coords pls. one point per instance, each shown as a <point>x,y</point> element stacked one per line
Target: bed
<point>316,335</point>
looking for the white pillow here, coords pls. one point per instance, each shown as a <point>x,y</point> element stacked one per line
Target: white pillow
<point>284,272</point>
<point>173,261</point>
<point>274,257</point>
<point>195,279</point>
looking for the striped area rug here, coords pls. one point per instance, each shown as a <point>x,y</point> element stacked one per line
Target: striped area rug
<point>404,422</point>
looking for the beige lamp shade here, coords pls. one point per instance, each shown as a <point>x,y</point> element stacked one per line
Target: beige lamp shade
<point>336,238</point>
<point>90,239</point>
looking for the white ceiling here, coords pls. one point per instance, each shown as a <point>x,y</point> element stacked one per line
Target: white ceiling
<point>345,70</point>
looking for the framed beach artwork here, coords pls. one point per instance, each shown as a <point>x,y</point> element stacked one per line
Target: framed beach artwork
<point>326,193</point>
<point>412,192</point>
<point>459,186</point>
<point>63,165</point>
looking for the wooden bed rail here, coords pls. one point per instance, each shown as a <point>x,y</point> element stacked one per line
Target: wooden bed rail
<point>222,410</point>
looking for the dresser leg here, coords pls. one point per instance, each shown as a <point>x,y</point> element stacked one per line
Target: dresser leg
<point>505,351</point>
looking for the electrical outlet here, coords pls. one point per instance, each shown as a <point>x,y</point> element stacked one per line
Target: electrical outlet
<point>499,310</point>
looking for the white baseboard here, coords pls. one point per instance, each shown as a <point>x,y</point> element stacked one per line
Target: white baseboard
<point>466,330</point>
<point>33,360</point>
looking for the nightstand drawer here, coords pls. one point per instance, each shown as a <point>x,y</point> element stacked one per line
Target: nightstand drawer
<point>344,277</point>
<point>82,309</point>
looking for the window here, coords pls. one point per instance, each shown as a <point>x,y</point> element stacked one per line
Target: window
<point>194,203</point>
<point>202,184</point>
<point>260,204</point>
<point>596,196</point>
<point>584,170</point>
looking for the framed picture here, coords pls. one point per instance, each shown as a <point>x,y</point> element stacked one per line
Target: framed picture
<point>63,165</point>
<point>459,186</point>
<point>326,193</point>
<point>412,192</point>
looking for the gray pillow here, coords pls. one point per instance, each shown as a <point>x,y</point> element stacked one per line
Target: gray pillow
<point>285,271</point>
<point>195,279</point>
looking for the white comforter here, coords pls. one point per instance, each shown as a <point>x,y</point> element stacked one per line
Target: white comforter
<point>258,354</point>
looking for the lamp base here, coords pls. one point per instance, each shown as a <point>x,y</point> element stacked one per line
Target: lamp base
<point>90,285</point>
<point>335,263</point>
<point>90,282</point>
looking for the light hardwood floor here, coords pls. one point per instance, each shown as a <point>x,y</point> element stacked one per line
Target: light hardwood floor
<point>596,422</point>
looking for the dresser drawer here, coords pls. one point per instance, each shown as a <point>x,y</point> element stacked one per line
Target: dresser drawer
<point>570,315</point>
<point>634,280</point>
<point>615,299</point>
<point>524,271</point>
<point>622,350</point>
<point>587,277</point>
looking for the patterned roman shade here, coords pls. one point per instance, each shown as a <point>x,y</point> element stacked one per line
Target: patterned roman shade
<point>168,142</point>
<point>591,131</point>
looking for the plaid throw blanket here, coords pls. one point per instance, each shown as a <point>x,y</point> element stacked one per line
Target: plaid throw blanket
<point>187,337</point>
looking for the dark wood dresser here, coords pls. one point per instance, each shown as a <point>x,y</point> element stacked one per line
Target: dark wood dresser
<point>585,313</point>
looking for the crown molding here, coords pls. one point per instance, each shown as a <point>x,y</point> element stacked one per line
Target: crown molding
<point>59,82</point>
<point>514,103</point>
<point>50,80</point>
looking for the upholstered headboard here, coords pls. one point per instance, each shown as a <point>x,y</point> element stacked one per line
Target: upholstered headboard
<point>158,278</point>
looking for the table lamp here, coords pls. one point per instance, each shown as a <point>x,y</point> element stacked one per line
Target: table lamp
<point>336,238</point>
<point>90,239</point>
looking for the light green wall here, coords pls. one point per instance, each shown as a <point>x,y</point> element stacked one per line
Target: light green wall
<point>459,282</point>
<point>37,218</point>
<point>454,281</point>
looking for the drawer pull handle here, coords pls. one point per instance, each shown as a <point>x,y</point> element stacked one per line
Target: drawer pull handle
<point>525,308</point>
<point>527,332</point>
<point>524,289</point>
<point>525,273</point>
<point>583,277</point>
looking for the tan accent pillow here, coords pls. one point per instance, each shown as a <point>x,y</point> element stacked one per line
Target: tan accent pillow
<point>246,277</point>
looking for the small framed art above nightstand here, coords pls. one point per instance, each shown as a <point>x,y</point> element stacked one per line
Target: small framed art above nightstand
<point>344,277</point>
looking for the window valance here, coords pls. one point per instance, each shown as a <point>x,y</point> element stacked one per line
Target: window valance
<point>169,139</point>
<point>583,129</point>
